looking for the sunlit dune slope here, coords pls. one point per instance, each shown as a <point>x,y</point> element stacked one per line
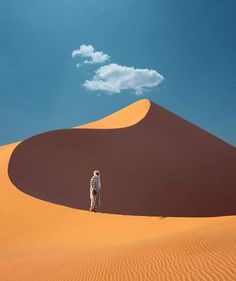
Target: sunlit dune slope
<point>41,241</point>
<point>161,165</point>
<point>125,117</point>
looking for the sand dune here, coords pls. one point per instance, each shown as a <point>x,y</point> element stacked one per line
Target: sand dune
<point>162,166</point>
<point>40,240</point>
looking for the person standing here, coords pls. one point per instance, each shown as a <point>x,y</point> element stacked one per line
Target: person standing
<point>95,188</point>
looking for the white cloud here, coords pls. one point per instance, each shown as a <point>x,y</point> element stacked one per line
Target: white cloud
<point>92,56</point>
<point>114,78</point>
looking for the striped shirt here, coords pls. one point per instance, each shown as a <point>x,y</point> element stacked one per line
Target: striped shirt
<point>95,183</point>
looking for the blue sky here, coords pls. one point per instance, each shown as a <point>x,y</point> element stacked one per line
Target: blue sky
<point>192,44</point>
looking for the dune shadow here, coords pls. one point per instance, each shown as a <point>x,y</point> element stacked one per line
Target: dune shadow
<point>163,166</point>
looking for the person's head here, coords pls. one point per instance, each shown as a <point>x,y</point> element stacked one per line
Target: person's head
<point>96,173</point>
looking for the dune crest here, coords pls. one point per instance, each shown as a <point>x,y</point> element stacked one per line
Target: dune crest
<point>127,116</point>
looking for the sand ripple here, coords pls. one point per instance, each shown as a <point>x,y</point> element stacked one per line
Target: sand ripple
<point>204,253</point>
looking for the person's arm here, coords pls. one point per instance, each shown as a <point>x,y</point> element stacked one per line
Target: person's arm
<point>92,184</point>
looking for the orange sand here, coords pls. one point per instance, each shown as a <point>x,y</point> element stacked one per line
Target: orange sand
<point>125,117</point>
<point>43,241</point>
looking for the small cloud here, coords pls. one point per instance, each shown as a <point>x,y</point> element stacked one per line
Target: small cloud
<point>92,56</point>
<point>114,78</point>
